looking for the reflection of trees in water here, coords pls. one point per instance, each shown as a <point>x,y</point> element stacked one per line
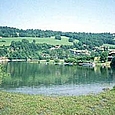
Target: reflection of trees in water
<point>33,74</point>
<point>113,70</point>
<point>104,71</point>
<point>85,75</point>
<point>112,73</point>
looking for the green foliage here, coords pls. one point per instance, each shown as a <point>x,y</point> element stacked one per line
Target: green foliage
<point>3,52</point>
<point>47,60</point>
<point>104,56</point>
<point>85,58</point>
<point>26,50</point>
<point>56,60</point>
<point>24,43</point>
<point>50,41</point>
<point>113,87</point>
<point>71,40</point>
<point>109,45</point>
<point>58,37</point>
<point>79,59</point>
<point>89,39</point>
<point>70,60</point>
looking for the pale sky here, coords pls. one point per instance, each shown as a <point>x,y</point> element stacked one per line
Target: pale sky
<point>60,15</point>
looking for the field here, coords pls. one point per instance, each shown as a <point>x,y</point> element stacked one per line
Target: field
<point>21,104</point>
<point>52,40</point>
<point>109,45</point>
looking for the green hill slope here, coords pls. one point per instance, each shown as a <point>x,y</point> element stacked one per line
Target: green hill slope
<point>51,40</point>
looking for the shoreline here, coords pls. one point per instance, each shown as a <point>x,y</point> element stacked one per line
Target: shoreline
<point>61,61</point>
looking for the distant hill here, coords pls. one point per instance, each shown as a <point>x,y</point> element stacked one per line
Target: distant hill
<point>51,40</point>
<point>89,40</point>
<point>42,44</point>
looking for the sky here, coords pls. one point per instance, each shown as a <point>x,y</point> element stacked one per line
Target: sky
<point>95,16</point>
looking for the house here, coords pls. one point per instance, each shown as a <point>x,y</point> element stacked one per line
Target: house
<point>55,47</point>
<point>111,55</point>
<point>80,52</point>
<point>114,34</point>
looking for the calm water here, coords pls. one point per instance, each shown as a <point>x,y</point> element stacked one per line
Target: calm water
<point>34,78</point>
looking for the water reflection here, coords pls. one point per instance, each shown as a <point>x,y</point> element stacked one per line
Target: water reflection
<point>31,75</point>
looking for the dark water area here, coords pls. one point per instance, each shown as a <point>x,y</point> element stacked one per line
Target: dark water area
<point>34,78</point>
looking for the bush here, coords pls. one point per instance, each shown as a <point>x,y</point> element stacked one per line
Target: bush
<point>70,60</point>
<point>47,60</point>
<point>56,60</point>
<point>70,39</point>
<point>114,87</point>
<point>58,37</point>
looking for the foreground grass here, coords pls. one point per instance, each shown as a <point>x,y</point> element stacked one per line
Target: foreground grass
<point>52,40</point>
<point>21,104</point>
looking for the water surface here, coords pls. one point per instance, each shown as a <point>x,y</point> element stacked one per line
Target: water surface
<point>34,78</point>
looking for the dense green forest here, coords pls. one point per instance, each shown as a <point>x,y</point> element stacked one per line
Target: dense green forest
<point>90,39</point>
<point>24,49</point>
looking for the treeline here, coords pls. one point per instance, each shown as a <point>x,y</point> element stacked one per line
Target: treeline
<point>86,40</point>
<point>92,40</point>
<point>14,32</point>
<point>26,50</point>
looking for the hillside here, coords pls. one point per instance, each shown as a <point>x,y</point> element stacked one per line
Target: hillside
<point>52,41</point>
<point>89,39</point>
<point>41,44</point>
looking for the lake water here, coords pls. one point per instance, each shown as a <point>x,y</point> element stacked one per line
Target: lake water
<point>34,78</point>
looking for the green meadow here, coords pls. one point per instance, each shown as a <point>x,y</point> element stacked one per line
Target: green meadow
<point>22,104</point>
<point>109,45</point>
<point>52,40</point>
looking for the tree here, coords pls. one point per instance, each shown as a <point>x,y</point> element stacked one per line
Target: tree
<point>70,39</point>
<point>70,60</point>
<point>104,56</point>
<point>25,41</point>
<point>56,61</point>
<point>58,37</point>
<point>34,41</point>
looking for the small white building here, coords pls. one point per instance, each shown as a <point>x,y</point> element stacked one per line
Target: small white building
<point>80,52</point>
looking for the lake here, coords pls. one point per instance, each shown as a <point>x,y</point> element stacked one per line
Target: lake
<point>34,78</point>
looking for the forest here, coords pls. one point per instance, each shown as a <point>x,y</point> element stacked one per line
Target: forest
<point>90,39</point>
<point>24,49</point>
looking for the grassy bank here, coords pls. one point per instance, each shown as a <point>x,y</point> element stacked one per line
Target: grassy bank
<point>21,104</point>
